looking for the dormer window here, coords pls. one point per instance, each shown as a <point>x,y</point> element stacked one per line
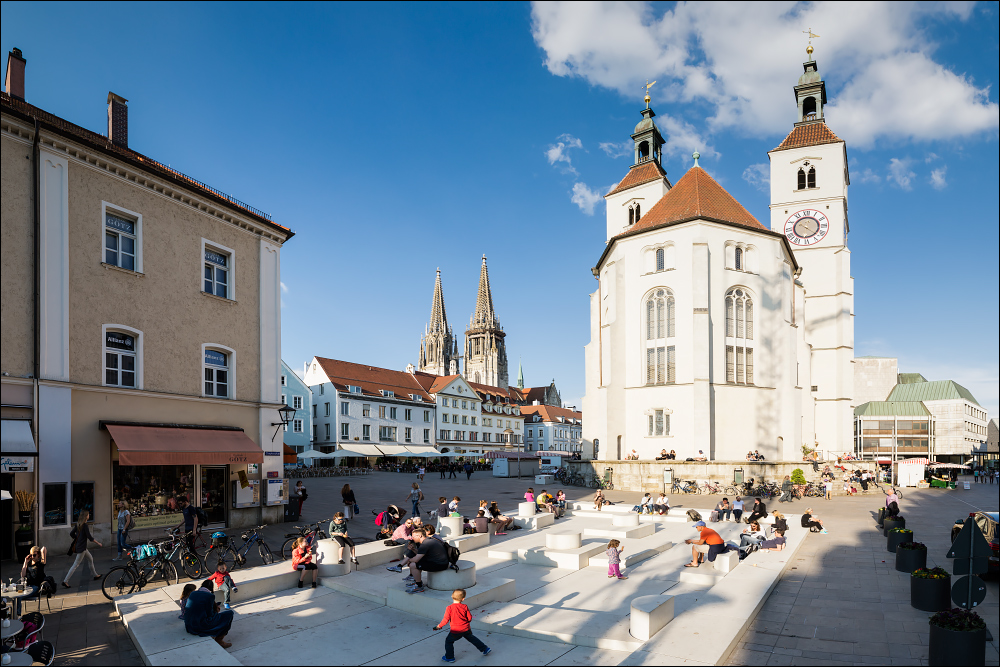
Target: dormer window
<point>388,393</point>
<point>354,389</point>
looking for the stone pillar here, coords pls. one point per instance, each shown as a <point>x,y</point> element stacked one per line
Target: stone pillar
<point>701,347</point>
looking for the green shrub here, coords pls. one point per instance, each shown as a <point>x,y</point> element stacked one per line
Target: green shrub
<point>798,477</point>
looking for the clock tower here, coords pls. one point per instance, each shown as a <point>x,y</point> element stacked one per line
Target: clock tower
<point>809,181</point>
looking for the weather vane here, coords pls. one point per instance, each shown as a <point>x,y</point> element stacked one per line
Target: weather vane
<point>809,49</point>
<point>646,88</point>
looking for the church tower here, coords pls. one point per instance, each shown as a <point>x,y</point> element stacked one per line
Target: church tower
<point>485,349</point>
<point>438,347</point>
<point>809,182</point>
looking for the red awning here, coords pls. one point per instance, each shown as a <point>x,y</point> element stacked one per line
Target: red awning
<point>290,456</point>
<point>164,445</point>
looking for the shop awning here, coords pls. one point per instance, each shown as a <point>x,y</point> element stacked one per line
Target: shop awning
<point>15,437</point>
<point>513,455</point>
<point>289,455</point>
<point>546,452</point>
<point>390,450</point>
<point>358,450</point>
<point>423,451</point>
<point>166,445</point>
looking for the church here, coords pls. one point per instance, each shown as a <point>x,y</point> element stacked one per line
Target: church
<point>713,333</point>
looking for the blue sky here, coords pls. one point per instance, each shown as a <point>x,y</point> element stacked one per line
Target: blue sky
<point>396,139</point>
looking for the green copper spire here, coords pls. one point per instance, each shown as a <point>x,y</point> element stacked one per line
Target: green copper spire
<point>520,375</point>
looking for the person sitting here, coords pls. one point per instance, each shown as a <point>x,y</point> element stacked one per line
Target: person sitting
<point>203,618</point>
<point>724,509</point>
<point>33,572</point>
<point>662,504</point>
<point>811,522</point>
<point>779,523</point>
<point>758,511</point>
<point>338,532</point>
<point>302,561</point>
<point>402,533</point>
<point>663,456</point>
<point>673,455</point>
<point>750,539</point>
<point>599,500</point>
<point>432,556</point>
<point>892,504</point>
<point>502,521</point>
<point>750,455</point>
<point>777,543</point>
<point>709,544</point>
<point>224,582</point>
<point>643,506</point>
<point>480,523</point>
<point>701,456</point>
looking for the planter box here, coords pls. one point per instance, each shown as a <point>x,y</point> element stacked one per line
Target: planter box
<point>889,524</point>
<point>956,647</point>
<point>895,539</point>
<point>930,594</point>
<point>881,516</point>
<point>908,560</point>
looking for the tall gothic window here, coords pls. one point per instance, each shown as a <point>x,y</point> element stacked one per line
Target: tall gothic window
<point>802,179</point>
<point>811,178</point>
<point>659,259</point>
<point>739,336</point>
<point>634,213</point>
<point>660,354</point>
<point>739,259</point>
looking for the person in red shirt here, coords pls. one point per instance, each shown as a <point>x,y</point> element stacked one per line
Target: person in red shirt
<point>709,544</point>
<point>460,618</point>
<point>223,582</point>
<point>302,561</point>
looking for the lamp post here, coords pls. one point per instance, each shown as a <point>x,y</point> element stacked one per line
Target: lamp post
<point>286,413</point>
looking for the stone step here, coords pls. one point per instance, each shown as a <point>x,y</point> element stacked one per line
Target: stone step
<point>700,576</point>
<point>621,532</point>
<point>534,522</point>
<point>627,559</point>
<point>467,543</point>
<point>431,604</point>
<point>562,559</point>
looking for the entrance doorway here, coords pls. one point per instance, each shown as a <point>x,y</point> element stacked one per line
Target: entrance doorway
<point>214,480</point>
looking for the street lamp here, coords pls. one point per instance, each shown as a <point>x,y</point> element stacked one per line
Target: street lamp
<point>286,413</point>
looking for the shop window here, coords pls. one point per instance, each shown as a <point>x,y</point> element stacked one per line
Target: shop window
<point>217,373</point>
<point>151,492</point>
<point>218,270</point>
<point>121,367</point>
<point>54,504</point>
<point>83,499</point>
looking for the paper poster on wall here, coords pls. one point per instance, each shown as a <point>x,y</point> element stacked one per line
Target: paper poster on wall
<point>248,496</point>
<point>277,491</point>
<point>244,482</point>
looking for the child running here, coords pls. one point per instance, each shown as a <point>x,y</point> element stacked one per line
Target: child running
<point>459,616</point>
<point>614,560</point>
<point>188,590</point>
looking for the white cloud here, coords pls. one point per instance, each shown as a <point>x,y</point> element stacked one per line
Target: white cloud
<point>876,56</point>
<point>759,176</point>
<point>930,157</point>
<point>284,288</point>
<point>900,173</point>
<point>559,152</point>
<point>938,181</point>
<point>682,139</point>
<point>617,149</point>
<point>585,198</point>
<point>867,176</point>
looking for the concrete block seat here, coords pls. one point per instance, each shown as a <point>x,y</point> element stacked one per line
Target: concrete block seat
<point>649,614</point>
<point>562,559</point>
<point>534,522</point>
<point>467,543</point>
<point>563,540</point>
<point>726,562</point>
<point>526,509</point>
<point>252,582</point>
<point>480,589</point>
<point>450,526</point>
<point>449,580</point>
<point>625,520</point>
<point>371,554</point>
<point>622,532</point>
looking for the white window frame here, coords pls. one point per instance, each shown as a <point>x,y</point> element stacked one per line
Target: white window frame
<point>284,399</point>
<point>738,328</point>
<point>138,336</point>
<point>297,426</point>
<point>345,409</point>
<point>327,430</point>
<point>284,380</point>
<point>231,267</point>
<point>301,403</point>
<point>326,409</point>
<point>345,431</point>
<point>231,357</point>
<point>113,209</point>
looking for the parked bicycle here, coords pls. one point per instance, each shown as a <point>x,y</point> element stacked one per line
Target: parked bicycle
<point>190,561</point>
<point>225,549</point>
<point>311,532</point>
<point>146,564</point>
<point>599,483</point>
<point>684,486</point>
<point>715,487</point>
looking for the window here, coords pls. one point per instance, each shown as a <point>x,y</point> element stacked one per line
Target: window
<point>218,265</point>
<point>407,414</point>
<point>345,408</point>
<point>427,415</point>
<point>473,420</point>
<point>427,435</point>
<point>739,259</point>
<point>314,411</point>
<point>54,504</point>
<point>445,435</point>
<point>660,357</point>
<point>659,259</point>
<point>345,432</point>
<point>444,418</point>
<point>366,410</point>
<point>387,433</point>
<point>465,419</point>
<point>802,179</point>
<point>119,360</point>
<point>454,402</point>
<point>392,413</point>
<point>408,434</point>
<point>297,425</point>
<point>634,213</point>
<point>739,336</point>
<point>83,499</point>
<point>326,430</point>
<point>811,178</point>
<point>315,428</point>
<point>284,380</point>
<point>465,405</point>
<point>326,410</point>
<point>120,242</point>
<point>297,402</point>
<point>284,399</point>
<point>366,432</point>
<point>322,389</point>
<point>806,177</point>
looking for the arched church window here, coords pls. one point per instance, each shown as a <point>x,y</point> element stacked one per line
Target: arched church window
<point>802,179</point>
<point>638,212</point>
<point>660,357</point>
<point>811,178</point>
<point>659,259</point>
<point>809,108</point>
<point>739,336</point>
<point>739,259</point>
<point>631,216</point>
<point>643,151</point>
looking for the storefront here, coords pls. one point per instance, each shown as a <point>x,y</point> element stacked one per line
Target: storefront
<point>17,466</point>
<point>216,468</point>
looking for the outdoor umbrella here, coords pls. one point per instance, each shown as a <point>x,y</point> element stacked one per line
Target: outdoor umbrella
<point>313,454</point>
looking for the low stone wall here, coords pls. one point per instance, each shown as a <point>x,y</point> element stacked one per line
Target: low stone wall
<point>648,475</point>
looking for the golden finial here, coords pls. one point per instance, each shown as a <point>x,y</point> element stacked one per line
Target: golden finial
<point>647,87</point>
<point>809,49</point>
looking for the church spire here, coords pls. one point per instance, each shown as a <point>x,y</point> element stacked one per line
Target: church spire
<point>485,350</point>
<point>484,315</point>
<point>810,93</point>
<point>438,347</point>
<point>520,373</point>
<point>439,319</point>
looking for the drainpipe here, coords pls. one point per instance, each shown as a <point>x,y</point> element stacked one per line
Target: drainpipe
<point>36,361</point>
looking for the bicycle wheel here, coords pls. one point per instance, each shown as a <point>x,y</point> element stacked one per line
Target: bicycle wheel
<point>286,548</point>
<point>594,484</point>
<point>233,559</point>
<point>610,486</point>
<point>192,565</point>
<point>730,491</point>
<point>117,582</point>
<point>161,571</point>
<point>266,557</point>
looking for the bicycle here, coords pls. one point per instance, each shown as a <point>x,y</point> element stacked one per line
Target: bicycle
<point>137,573</point>
<point>250,537</point>
<point>311,532</point>
<point>190,562</point>
<point>598,483</point>
<point>684,486</point>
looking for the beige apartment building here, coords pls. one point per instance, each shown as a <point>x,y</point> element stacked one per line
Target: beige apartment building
<point>141,333</point>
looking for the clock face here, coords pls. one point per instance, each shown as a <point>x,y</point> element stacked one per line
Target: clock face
<point>806,227</point>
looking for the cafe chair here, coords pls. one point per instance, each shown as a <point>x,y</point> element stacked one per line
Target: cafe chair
<point>42,653</point>
<point>37,620</point>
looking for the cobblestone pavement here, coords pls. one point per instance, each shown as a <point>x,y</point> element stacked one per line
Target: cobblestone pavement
<point>841,602</point>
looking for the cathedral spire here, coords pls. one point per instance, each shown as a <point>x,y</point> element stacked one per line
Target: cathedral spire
<point>439,319</point>
<point>520,371</point>
<point>484,315</point>
<point>438,347</point>
<point>485,351</point>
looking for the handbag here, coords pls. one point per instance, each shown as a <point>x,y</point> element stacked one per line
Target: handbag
<point>357,510</point>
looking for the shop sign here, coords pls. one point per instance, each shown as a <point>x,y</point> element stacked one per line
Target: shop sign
<point>272,453</point>
<point>151,521</point>
<point>18,463</point>
<point>237,458</point>
<point>272,474</point>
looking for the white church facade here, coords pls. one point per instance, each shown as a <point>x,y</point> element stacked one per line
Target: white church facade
<point>713,333</point>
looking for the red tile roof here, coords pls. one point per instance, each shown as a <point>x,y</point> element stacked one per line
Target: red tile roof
<point>52,122</point>
<point>645,172</point>
<point>812,134</point>
<point>373,380</point>
<point>550,413</point>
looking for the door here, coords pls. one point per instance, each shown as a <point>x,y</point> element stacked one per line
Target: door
<point>213,492</point>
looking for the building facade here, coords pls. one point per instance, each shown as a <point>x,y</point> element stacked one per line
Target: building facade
<point>554,429</point>
<point>297,395</point>
<point>149,357</point>
<point>889,431</point>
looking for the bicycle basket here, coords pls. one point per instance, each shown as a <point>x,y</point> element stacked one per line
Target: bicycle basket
<point>219,539</point>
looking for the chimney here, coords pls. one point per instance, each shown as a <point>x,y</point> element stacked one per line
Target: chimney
<point>14,81</point>
<point>118,120</point>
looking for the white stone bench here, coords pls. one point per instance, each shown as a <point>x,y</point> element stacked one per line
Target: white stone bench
<point>564,540</point>
<point>526,509</point>
<point>432,603</point>
<point>534,522</point>
<point>650,613</point>
<point>449,579</point>
<point>372,554</point>
<point>727,561</point>
<point>562,559</point>
<point>469,542</point>
<point>252,582</point>
<point>622,532</point>
<point>449,526</point>
<point>625,520</point>
<point>326,559</point>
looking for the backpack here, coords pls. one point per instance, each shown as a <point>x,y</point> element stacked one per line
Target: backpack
<point>714,516</point>
<point>380,519</point>
<point>453,555</point>
<point>202,517</point>
<point>144,551</point>
<point>693,515</point>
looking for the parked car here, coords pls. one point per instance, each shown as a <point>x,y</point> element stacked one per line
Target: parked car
<point>987,522</point>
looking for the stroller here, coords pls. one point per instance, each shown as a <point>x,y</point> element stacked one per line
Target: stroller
<point>388,521</point>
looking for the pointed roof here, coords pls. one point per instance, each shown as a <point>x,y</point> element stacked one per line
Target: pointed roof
<point>809,134</point>
<point>484,317</point>
<point>439,319</point>
<point>520,375</point>
<point>640,174</point>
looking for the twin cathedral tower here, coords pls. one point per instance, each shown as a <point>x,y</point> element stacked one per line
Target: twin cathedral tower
<point>485,350</point>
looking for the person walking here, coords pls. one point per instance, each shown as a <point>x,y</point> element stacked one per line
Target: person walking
<point>786,490</point>
<point>443,468</point>
<point>81,536</point>
<point>614,552</point>
<point>421,471</point>
<point>415,496</point>
<point>468,470</point>
<point>300,494</point>
<point>457,614</point>
<point>347,495</point>
<point>737,509</point>
<point>125,522</point>
<point>828,488</point>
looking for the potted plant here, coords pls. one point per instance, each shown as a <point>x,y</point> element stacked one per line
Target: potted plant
<point>799,480</point>
<point>930,589</point>
<point>957,637</point>
<point>911,556</point>
<point>896,537</point>
<point>892,522</point>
